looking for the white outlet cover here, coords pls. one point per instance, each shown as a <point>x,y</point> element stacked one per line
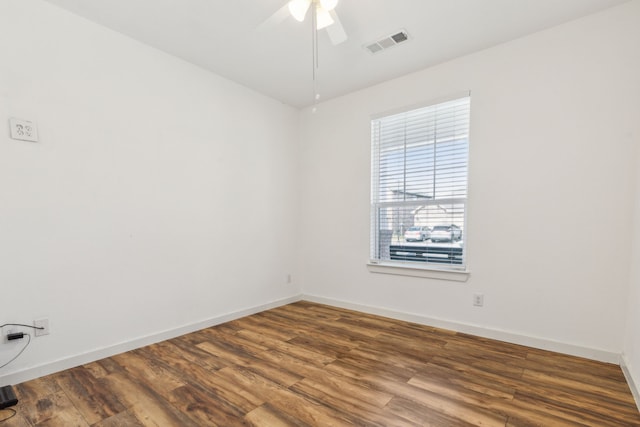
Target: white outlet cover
<point>24,130</point>
<point>478,300</point>
<point>41,323</point>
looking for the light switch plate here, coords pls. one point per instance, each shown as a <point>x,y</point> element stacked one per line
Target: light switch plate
<point>24,130</point>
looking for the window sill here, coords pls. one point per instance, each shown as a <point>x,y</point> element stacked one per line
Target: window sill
<point>401,269</point>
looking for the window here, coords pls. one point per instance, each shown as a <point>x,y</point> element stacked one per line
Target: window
<point>419,186</point>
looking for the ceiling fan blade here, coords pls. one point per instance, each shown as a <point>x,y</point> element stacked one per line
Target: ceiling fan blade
<point>336,31</point>
<point>276,19</point>
<point>299,9</point>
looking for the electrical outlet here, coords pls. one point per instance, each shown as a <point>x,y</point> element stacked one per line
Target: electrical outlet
<point>24,130</point>
<point>478,300</point>
<point>41,323</point>
<point>288,278</point>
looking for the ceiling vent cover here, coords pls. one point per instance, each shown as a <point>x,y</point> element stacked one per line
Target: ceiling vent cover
<point>387,42</point>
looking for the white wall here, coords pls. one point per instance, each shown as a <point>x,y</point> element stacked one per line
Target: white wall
<point>158,197</point>
<point>126,220</point>
<point>631,350</point>
<point>554,122</point>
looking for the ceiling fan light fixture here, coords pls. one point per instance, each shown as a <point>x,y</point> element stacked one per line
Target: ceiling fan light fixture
<point>323,17</point>
<point>299,8</point>
<point>328,5</point>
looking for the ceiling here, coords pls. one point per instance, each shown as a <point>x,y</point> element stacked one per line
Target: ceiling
<point>223,36</point>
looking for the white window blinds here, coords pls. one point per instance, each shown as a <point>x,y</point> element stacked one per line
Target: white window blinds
<point>419,183</point>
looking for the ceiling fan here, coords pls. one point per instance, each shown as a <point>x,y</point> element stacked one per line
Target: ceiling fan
<point>322,13</point>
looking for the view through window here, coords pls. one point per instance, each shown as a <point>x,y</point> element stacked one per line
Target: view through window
<point>419,185</point>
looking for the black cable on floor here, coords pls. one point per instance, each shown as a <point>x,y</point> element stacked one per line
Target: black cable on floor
<point>14,412</point>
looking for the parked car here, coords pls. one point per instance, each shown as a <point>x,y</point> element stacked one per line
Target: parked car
<point>417,233</point>
<point>446,233</point>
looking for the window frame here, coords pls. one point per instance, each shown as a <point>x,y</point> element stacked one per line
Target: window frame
<point>445,271</point>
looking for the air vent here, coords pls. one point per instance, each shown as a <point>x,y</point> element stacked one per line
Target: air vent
<point>400,37</point>
<point>387,42</point>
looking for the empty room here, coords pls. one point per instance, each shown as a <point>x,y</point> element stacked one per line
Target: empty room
<point>319,213</point>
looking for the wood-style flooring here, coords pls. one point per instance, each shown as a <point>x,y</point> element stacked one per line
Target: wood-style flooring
<point>307,364</point>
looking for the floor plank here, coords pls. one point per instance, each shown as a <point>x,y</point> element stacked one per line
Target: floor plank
<point>307,364</point>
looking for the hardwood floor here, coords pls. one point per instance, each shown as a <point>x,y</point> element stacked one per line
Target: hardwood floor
<point>307,364</point>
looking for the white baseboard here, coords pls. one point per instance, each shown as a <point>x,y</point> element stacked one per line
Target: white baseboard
<point>511,337</point>
<point>101,353</point>
<point>624,364</point>
<point>97,354</point>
